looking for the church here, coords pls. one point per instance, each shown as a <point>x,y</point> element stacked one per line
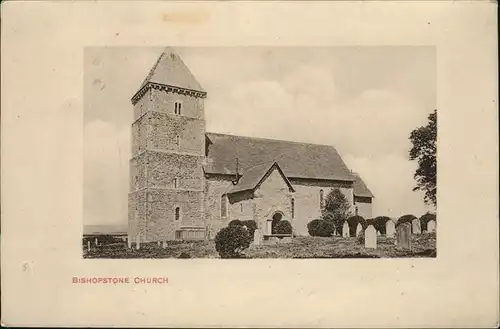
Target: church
<point>187,183</point>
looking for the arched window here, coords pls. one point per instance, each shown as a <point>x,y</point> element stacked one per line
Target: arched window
<point>175,183</point>
<point>293,208</point>
<point>177,213</point>
<point>223,206</point>
<point>321,198</point>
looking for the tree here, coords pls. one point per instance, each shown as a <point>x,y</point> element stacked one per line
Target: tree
<point>424,151</point>
<point>336,209</point>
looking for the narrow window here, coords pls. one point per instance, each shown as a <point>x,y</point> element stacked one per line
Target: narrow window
<point>175,182</point>
<point>321,198</point>
<point>223,206</point>
<point>177,140</point>
<point>293,208</point>
<point>177,213</point>
<point>178,106</point>
<point>241,207</point>
<point>175,110</point>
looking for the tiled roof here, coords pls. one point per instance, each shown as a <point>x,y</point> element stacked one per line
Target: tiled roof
<point>297,160</point>
<point>104,229</point>
<point>360,188</point>
<point>170,70</point>
<point>253,176</point>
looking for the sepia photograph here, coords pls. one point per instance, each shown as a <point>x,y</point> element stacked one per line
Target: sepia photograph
<point>336,159</point>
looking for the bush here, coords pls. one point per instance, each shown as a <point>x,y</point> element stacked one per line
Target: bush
<point>184,255</point>
<point>380,223</point>
<point>405,219</point>
<point>235,222</point>
<point>283,227</point>
<point>426,218</point>
<point>361,237</point>
<point>231,241</point>
<point>353,222</point>
<point>319,227</point>
<point>251,226</point>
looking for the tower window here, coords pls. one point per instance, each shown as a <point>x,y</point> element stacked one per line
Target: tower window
<point>223,206</point>
<point>177,140</point>
<point>177,213</point>
<point>321,198</point>
<point>241,207</point>
<point>178,108</point>
<point>293,208</point>
<point>175,183</point>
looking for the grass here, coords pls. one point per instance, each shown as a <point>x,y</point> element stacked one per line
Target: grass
<point>423,245</point>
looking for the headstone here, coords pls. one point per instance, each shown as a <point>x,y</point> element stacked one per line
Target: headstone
<point>257,238</point>
<point>129,242</point>
<point>389,228</point>
<point>159,243</point>
<point>359,228</point>
<point>164,244</point>
<point>416,226</point>
<point>403,235</point>
<point>345,230</point>
<point>378,233</point>
<point>96,242</point>
<point>138,242</point>
<point>88,245</point>
<point>286,239</point>
<point>370,237</point>
<point>431,226</point>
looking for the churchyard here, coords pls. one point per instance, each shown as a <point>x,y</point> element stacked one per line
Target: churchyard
<point>421,245</point>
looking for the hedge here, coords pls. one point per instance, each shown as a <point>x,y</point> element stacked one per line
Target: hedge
<point>405,219</point>
<point>353,224</point>
<point>320,227</point>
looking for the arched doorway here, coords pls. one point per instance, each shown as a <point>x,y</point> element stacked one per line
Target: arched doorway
<point>276,218</point>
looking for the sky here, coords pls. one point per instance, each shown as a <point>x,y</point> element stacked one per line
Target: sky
<point>364,101</point>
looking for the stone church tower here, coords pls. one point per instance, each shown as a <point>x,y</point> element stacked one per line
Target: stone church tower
<point>166,197</point>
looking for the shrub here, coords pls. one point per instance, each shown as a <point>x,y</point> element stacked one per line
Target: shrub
<point>184,255</point>
<point>405,219</point>
<point>361,237</point>
<point>379,223</point>
<point>353,222</point>
<point>231,241</point>
<point>284,227</point>
<point>319,227</point>
<point>336,208</point>
<point>235,222</point>
<point>425,218</point>
<point>251,226</point>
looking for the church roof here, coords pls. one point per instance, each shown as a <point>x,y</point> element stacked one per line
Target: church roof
<point>170,70</point>
<point>360,188</point>
<point>297,160</point>
<point>255,175</point>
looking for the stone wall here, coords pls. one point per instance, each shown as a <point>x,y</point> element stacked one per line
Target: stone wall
<point>307,200</point>
<point>272,196</point>
<point>215,187</point>
<point>364,207</point>
<point>164,167</point>
<point>140,135</point>
<point>165,129</point>
<point>137,215</point>
<point>142,105</point>
<point>163,101</point>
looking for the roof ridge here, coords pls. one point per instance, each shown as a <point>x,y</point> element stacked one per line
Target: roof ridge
<point>270,139</point>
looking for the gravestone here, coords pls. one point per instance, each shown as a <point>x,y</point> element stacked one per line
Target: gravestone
<point>416,226</point>
<point>159,243</point>
<point>286,239</point>
<point>88,245</point>
<point>129,242</point>
<point>257,238</point>
<point>403,235</point>
<point>371,237</point>
<point>164,244</point>
<point>345,230</point>
<point>378,233</point>
<point>431,226</point>
<point>389,228</point>
<point>359,228</point>
<point>138,242</point>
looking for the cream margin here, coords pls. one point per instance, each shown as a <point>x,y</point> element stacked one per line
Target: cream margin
<point>42,88</point>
